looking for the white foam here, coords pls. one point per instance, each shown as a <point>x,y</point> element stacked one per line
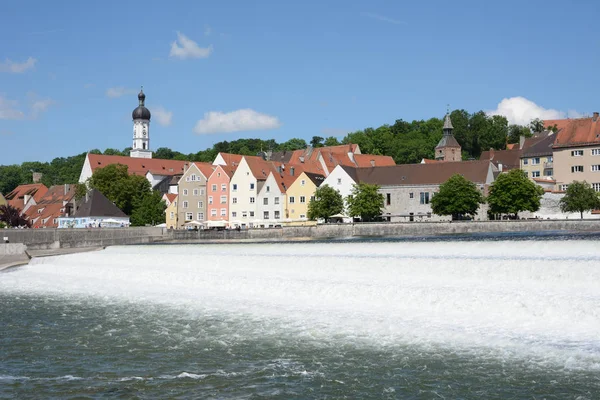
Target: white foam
<point>520,297</point>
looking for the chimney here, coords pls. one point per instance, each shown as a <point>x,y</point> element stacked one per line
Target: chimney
<point>66,188</point>
<point>372,163</point>
<point>500,167</point>
<point>491,153</point>
<point>595,118</point>
<point>37,177</point>
<point>185,167</point>
<point>521,142</point>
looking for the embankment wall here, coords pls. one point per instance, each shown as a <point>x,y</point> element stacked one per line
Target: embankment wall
<point>12,249</point>
<point>36,239</point>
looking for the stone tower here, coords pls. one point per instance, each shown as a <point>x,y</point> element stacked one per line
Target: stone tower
<point>141,130</point>
<point>448,148</point>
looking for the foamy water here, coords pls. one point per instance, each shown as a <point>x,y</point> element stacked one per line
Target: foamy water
<point>531,303</point>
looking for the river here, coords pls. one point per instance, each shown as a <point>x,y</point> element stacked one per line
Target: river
<point>488,317</point>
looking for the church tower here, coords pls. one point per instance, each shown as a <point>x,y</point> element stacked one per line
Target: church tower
<point>448,148</point>
<point>141,130</point>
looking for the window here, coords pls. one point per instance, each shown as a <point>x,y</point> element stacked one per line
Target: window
<point>424,197</point>
<point>302,182</point>
<point>411,195</point>
<point>525,161</point>
<point>189,216</point>
<point>277,216</point>
<point>276,200</point>
<point>339,181</point>
<point>175,204</point>
<point>223,212</point>
<point>233,214</point>
<point>252,186</point>
<point>185,192</point>
<point>234,187</point>
<point>200,216</point>
<point>193,178</point>
<point>563,187</point>
<point>595,168</point>
<point>535,161</point>
<point>302,216</point>
<point>200,204</point>
<point>223,199</point>
<point>266,201</point>
<point>210,200</point>
<point>185,204</point>
<point>312,198</point>
<point>302,199</point>
<point>535,174</point>
<point>219,174</point>
<point>577,168</point>
<point>172,215</point>
<point>244,214</point>
<point>251,200</point>
<point>292,200</point>
<point>548,172</point>
<point>195,192</point>
<point>266,215</point>
<point>252,213</point>
<point>550,158</point>
<point>223,187</point>
<point>268,189</point>
<point>388,199</point>
<point>234,200</point>
<point>595,152</point>
<point>202,192</point>
<point>213,212</point>
<point>596,187</point>
<point>214,188</point>
<point>576,153</point>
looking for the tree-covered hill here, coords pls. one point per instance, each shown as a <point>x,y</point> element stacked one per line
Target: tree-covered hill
<point>406,142</point>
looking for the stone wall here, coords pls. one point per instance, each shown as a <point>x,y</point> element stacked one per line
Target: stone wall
<point>73,238</point>
<point>11,249</point>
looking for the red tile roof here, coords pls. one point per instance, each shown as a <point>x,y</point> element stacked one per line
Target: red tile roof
<point>577,132</point>
<point>54,204</point>
<point>139,166</point>
<point>510,159</point>
<point>231,159</point>
<point>171,197</point>
<point>206,168</point>
<point>16,198</point>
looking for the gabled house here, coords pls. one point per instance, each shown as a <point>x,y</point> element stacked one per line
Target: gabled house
<point>299,194</point>
<point>170,200</point>
<point>24,196</point>
<point>192,194</point>
<point>271,200</point>
<point>95,211</point>
<point>245,185</point>
<point>576,151</point>
<point>218,188</point>
<point>58,202</point>
<point>232,160</point>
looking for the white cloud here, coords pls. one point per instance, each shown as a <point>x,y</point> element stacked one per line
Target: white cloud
<point>39,105</point>
<point>519,110</point>
<point>8,109</point>
<point>17,68</point>
<point>162,116</point>
<point>119,91</point>
<point>235,121</point>
<point>383,18</point>
<point>187,48</point>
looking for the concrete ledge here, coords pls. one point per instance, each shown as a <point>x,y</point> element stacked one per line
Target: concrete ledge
<point>9,261</point>
<point>12,248</point>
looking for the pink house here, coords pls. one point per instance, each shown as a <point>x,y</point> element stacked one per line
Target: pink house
<point>217,193</point>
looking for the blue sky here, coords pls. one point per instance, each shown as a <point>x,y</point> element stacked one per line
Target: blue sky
<point>70,71</point>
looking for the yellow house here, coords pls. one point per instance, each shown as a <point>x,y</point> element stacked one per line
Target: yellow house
<point>299,194</point>
<point>171,210</point>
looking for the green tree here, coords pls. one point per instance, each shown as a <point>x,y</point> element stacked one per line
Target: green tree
<point>149,210</point>
<point>512,193</point>
<point>10,178</point>
<point>496,133</point>
<point>327,202</point>
<point>316,141</point>
<point>457,197</point>
<point>536,125</point>
<point>516,131</point>
<point>332,141</point>
<point>11,216</point>
<point>580,197</point>
<point>80,190</point>
<point>119,187</point>
<point>365,201</point>
<point>293,144</point>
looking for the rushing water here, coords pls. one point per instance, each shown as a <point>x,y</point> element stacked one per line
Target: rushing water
<point>359,319</point>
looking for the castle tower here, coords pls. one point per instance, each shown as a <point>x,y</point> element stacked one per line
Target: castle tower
<point>448,148</point>
<point>141,130</point>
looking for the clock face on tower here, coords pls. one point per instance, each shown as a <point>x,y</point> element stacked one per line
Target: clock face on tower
<point>144,132</point>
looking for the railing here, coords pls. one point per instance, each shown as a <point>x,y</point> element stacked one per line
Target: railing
<point>548,164</point>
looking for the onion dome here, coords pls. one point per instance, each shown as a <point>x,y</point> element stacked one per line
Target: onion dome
<point>141,112</point>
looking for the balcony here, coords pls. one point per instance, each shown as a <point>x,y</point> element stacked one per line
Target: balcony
<point>549,164</point>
